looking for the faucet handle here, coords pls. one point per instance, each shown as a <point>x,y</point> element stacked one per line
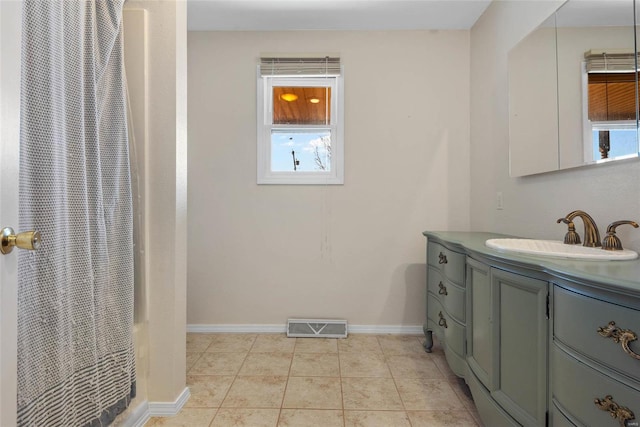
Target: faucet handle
<point>572,237</point>
<point>611,242</point>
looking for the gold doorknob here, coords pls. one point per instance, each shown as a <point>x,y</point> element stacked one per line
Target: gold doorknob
<point>30,240</point>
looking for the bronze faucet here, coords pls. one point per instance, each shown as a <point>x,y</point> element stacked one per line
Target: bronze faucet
<point>591,233</point>
<point>572,237</point>
<point>611,242</point>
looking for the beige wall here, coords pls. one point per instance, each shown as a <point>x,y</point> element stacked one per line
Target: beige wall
<point>532,204</point>
<point>261,254</point>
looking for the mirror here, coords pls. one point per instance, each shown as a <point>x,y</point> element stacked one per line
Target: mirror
<point>533,103</point>
<point>572,89</point>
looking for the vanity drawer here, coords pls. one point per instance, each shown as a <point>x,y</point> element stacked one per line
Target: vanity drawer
<point>453,333</point>
<point>457,364</point>
<point>449,262</point>
<point>451,296</point>
<point>433,308</point>
<point>558,419</point>
<point>576,322</point>
<point>449,331</point>
<point>576,386</point>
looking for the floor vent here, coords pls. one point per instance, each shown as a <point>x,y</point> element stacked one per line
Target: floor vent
<point>316,328</point>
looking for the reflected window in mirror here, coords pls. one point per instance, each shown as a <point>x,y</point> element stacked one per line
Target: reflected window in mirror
<point>609,88</point>
<point>549,125</point>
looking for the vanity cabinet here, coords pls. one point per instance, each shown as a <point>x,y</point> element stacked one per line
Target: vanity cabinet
<point>446,303</point>
<point>520,334</point>
<point>545,343</point>
<point>595,355</point>
<point>480,331</point>
<point>507,331</point>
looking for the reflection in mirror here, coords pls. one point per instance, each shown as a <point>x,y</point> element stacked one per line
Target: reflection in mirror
<point>533,106</point>
<point>596,81</point>
<point>611,104</point>
<point>573,90</point>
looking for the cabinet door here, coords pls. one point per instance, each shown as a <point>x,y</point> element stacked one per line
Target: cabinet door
<point>479,325</point>
<point>520,330</point>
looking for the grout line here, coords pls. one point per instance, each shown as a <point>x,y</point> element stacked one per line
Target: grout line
<point>195,361</point>
<point>344,414</point>
<point>214,416</point>
<point>386,361</point>
<point>286,386</point>
<point>235,377</point>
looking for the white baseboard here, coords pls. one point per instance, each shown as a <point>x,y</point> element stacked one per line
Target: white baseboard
<point>273,329</point>
<point>169,409</point>
<point>387,329</point>
<point>138,417</point>
<point>238,329</point>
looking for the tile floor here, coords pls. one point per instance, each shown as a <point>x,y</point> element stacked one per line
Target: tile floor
<point>364,380</point>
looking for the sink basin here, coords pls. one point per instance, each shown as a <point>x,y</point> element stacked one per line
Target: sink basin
<point>557,249</point>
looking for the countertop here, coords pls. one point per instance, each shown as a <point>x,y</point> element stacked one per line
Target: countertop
<point>620,276</point>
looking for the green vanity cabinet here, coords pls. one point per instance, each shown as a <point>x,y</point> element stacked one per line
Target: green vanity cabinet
<point>507,341</point>
<point>446,303</point>
<point>540,342</point>
<point>520,334</point>
<point>480,330</point>
<point>594,355</point>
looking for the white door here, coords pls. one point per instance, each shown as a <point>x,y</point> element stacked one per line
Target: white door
<point>10,24</point>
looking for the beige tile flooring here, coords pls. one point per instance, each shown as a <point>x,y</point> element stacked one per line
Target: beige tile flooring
<point>364,380</point>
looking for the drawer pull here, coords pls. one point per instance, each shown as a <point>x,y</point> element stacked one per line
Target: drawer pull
<point>442,321</point>
<point>622,336</point>
<point>443,289</point>
<point>616,411</point>
<point>442,258</point>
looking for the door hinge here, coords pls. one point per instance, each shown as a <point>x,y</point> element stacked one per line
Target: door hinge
<point>547,305</point>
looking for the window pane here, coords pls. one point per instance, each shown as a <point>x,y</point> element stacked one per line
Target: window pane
<point>622,142</point>
<point>612,96</point>
<point>301,105</point>
<point>301,151</point>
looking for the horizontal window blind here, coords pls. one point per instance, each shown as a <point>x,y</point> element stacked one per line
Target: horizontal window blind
<point>611,85</point>
<point>321,66</point>
<point>609,61</point>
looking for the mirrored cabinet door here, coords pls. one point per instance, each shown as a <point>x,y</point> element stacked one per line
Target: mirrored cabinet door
<point>533,103</point>
<point>593,47</point>
<point>596,81</point>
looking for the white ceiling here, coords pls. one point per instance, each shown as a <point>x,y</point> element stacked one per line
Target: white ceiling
<point>271,15</point>
<point>590,13</point>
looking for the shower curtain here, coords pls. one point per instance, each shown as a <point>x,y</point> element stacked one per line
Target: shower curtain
<point>75,294</point>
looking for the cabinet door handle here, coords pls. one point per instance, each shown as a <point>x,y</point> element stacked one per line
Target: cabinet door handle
<point>442,321</point>
<point>616,411</point>
<point>622,336</point>
<point>443,289</point>
<point>442,258</point>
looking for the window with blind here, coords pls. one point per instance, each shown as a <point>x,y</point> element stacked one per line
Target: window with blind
<point>611,80</point>
<point>300,121</point>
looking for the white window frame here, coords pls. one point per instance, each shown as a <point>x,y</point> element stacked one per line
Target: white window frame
<point>588,126</point>
<point>265,84</point>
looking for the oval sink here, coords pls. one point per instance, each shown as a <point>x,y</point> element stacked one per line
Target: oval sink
<point>557,249</point>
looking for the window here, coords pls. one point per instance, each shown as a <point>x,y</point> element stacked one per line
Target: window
<point>610,87</point>
<point>300,121</point>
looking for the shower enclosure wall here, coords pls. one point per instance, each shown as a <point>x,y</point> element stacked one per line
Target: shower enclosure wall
<point>156,71</point>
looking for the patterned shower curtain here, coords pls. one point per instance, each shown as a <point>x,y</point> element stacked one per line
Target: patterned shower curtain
<point>75,295</point>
